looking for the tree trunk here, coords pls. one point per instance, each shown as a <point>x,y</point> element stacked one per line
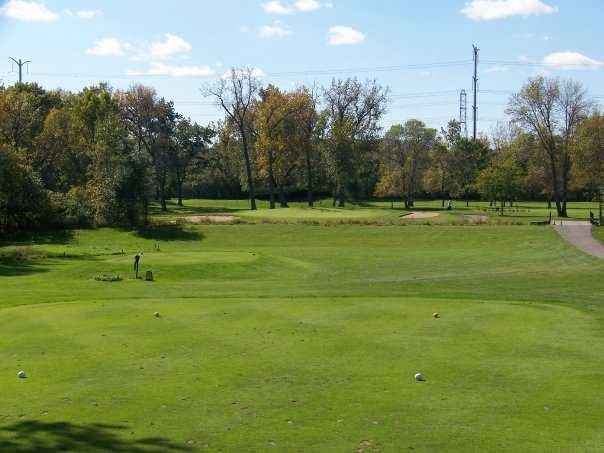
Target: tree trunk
<point>556,188</point>
<point>146,210</point>
<point>248,170</point>
<point>309,186</point>
<point>179,184</point>
<point>282,198</point>
<point>339,195</point>
<point>271,180</point>
<point>162,195</point>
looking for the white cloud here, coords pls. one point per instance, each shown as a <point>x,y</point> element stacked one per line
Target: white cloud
<point>276,7</point>
<point>172,45</point>
<point>28,11</point>
<point>340,35</point>
<point>256,72</point>
<point>274,31</point>
<point>88,13</point>
<point>84,14</point>
<point>571,60</point>
<point>496,69</point>
<point>298,6</point>
<point>108,47</point>
<point>161,69</point>
<point>307,5</point>
<point>480,10</point>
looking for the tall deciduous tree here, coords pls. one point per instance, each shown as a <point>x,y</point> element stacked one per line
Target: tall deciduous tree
<point>271,140</point>
<point>469,156</point>
<point>236,94</point>
<point>190,141</point>
<point>500,181</point>
<point>353,113</point>
<point>405,157</point>
<point>552,111</point>
<point>440,177</point>
<point>151,121</point>
<point>588,154</point>
<point>307,117</point>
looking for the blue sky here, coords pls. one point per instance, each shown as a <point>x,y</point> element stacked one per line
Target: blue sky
<point>421,49</point>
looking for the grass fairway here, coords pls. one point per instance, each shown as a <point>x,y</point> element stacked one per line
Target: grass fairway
<point>297,337</point>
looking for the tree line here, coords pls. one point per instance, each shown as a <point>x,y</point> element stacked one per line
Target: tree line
<point>101,156</point>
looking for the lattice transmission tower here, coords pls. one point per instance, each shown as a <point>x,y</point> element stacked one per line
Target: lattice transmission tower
<point>463,112</point>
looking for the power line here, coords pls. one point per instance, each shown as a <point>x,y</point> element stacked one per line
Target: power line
<point>311,72</point>
<point>532,64</point>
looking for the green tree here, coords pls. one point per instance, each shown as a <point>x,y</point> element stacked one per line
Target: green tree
<point>588,154</point>
<point>236,95</point>
<point>191,142</point>
<point>501,180</point>
<point>405,157</point>
<point>151,123</point>
<point>552,111</point>
<point>353,112</point>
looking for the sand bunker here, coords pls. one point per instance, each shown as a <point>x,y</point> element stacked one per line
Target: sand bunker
<point>212,219</point>
<point>421,215</point>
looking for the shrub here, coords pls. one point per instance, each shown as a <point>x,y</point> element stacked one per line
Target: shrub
<point>104,277</point>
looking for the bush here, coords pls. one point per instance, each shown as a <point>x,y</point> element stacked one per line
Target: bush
<point>107,277</point>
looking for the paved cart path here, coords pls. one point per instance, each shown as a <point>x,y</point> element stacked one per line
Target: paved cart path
<point>579,234</point>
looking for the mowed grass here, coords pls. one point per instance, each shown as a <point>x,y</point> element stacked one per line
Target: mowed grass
<point>374,212</point>
<point>296,337</point>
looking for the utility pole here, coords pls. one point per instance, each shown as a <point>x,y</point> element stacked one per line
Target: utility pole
<point>475,85</point>
<point>463,112</point>
<point>20,63</point>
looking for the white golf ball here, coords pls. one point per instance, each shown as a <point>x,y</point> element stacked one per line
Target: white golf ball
<point>21,375</point>
<point>419,377</point>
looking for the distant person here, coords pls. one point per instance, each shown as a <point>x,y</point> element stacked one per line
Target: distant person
<point>137,260</point>
<point>449,206</point>
<point>592,218</point>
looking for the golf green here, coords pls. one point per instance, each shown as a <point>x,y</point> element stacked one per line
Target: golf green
<point>295,337</point>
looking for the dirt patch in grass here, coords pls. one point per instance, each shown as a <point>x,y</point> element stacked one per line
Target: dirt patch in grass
<point>421,215</point>
<point>210,219</point>
<point>477,219</point>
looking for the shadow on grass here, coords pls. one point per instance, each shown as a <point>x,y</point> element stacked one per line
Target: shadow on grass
<point>187,210</point>
<point>168,233</point>
<point>58,237</point>
<point>33,436</point>
<point>13,267</point>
